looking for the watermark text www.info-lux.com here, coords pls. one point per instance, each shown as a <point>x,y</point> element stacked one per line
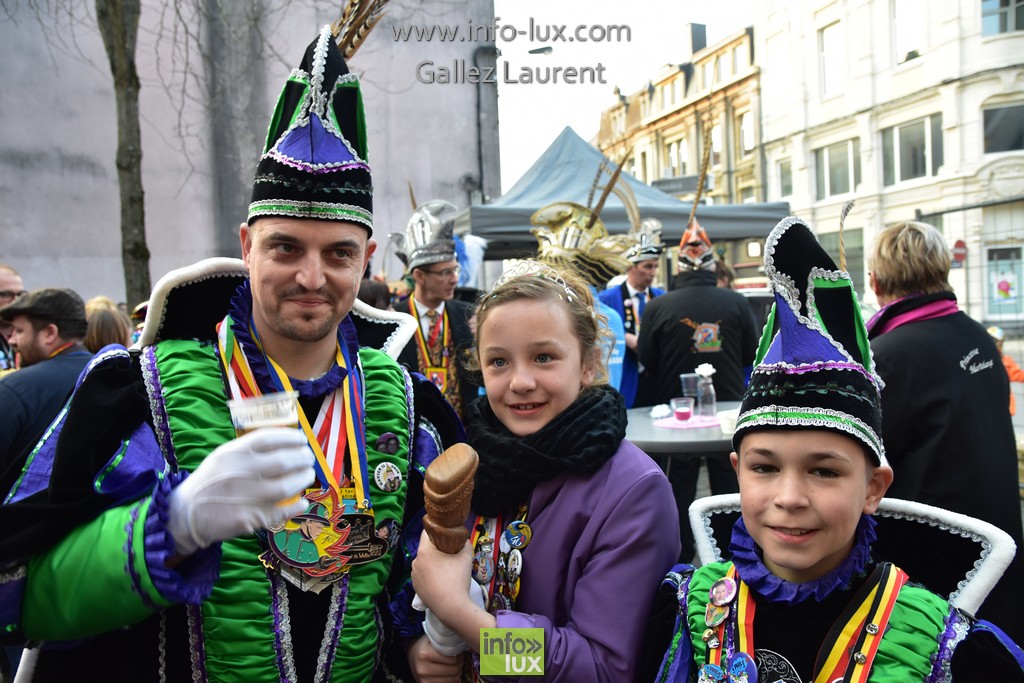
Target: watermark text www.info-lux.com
<point>463,71</point>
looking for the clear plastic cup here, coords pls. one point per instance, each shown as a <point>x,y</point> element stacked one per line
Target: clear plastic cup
<point>682,408</point>
<point>688,382</point>
<point>269,410</point>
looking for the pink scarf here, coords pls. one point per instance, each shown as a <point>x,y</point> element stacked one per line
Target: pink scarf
<point>935,309</point>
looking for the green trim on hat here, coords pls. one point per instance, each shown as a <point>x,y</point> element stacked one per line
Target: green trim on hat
<point>815,418</point>
<point>279,110</point>
<point>360,141</point>
<point>767,335</point>
<point>860,328</point>
<point>319,210</point>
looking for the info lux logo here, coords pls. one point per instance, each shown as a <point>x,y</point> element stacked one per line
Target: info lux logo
<point>512,652</point>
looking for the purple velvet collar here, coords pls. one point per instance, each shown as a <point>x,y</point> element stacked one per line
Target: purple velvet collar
<point>241,313</point>
<point>750,568</point>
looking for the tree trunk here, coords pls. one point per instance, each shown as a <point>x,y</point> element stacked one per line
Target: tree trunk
<point>118,21</point>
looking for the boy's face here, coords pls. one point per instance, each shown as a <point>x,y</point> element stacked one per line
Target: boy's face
<point>802,493</point>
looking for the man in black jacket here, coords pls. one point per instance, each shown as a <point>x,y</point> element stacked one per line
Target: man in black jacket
<point>444,336</point>
<point>697,323</point>
<point>945,423</point>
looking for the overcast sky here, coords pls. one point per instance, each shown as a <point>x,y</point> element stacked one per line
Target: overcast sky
<point>531,116</point>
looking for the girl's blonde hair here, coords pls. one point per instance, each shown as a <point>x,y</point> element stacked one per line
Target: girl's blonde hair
<point>910,258</point>
<point>536,281</point>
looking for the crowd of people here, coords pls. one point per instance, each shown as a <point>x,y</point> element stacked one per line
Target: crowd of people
<point>152,533</point>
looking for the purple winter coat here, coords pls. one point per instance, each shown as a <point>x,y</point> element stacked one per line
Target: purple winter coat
<point>601,545</point>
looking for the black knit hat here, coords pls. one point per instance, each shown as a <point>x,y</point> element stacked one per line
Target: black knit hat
<point>817,372</point>
<point>314,163</point>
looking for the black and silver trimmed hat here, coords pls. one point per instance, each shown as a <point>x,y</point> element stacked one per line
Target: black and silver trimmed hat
<point>570,235</point>
<point>314,163</point>
<point>648,245</point>
<point>428,236</point>
<point>817,372</point>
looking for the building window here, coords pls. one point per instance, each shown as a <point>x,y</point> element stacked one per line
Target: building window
<point>1004,129</point>
<point>1002,288</point>
<point>671,160</point>
<point>718,69</point>
<point>785,178</point>
<point>747,195</point>
<point>832,59</point>
<point>684,156</point>
<point>1001,16</point>
<point>705,70</point>
<point>853,244</point>
<point>837,168</point>
<point>907,29</point>
<point>739,58</point>
<point>716,146</point>
<point>746,133</point>
<point>912,150</point>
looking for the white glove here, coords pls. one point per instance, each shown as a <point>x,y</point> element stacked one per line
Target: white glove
<point>240,487</point>
<point>445,640</point>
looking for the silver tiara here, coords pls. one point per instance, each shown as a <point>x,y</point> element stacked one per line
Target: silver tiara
<point>531,268</point>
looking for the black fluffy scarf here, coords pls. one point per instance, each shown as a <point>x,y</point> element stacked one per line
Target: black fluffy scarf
<point>580,439</point>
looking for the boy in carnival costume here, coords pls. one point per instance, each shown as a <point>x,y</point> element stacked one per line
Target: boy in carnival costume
<point>803,597</point>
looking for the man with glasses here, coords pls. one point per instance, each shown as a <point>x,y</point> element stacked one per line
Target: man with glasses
<point>11,287</point>
<point>444,336</point>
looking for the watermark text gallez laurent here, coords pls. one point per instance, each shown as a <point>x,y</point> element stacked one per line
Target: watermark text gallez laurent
<point>465,71</point>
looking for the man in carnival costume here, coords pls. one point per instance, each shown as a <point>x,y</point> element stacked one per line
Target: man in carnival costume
<point>631,297</point>
<point>694,324</point>
<point>444,337</point>
<point>147,542</point>
<point>572,236</point>
<point>808,591</point>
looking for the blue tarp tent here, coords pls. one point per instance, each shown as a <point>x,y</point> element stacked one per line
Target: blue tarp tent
<point>565,172</point>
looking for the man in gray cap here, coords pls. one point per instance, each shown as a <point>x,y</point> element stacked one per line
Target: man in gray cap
<point>49,325</point>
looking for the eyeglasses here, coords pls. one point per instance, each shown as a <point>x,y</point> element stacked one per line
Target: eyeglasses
<point>8,295</point>
<point>447,272</point>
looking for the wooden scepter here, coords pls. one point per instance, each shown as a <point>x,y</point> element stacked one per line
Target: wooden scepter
<point>447,494</point>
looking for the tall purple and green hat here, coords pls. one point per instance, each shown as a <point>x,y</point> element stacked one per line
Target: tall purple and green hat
<point>314,163</point>
<point>813,368</point>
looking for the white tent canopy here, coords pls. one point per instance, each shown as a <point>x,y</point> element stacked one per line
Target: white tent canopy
<point>565,172</point>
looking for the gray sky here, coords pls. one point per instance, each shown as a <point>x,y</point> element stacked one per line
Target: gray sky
<point>532,115</point>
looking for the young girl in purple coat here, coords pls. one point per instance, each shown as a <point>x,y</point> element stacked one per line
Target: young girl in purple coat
<point>571,526</point>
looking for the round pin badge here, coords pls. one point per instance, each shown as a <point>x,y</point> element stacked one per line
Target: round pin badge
<point>388,477</point>
<point>515,565</point>
<point>723,591</point>
<point>503,544</point>
<point>499,602</point>
<point>715,615</point>
<point>742,668</point>
<point>519,534</point>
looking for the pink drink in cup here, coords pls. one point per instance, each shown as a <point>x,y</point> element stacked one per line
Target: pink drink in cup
<point>682,408</point>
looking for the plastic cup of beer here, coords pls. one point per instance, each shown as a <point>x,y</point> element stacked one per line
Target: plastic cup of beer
<point>682,408</point>
<point>269,410</point>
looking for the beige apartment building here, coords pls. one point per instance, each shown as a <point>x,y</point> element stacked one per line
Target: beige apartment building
<point>913,108</point>
<point>717,92</point>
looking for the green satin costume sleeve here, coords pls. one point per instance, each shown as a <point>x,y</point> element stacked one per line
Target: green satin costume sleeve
<point>82,587</point>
